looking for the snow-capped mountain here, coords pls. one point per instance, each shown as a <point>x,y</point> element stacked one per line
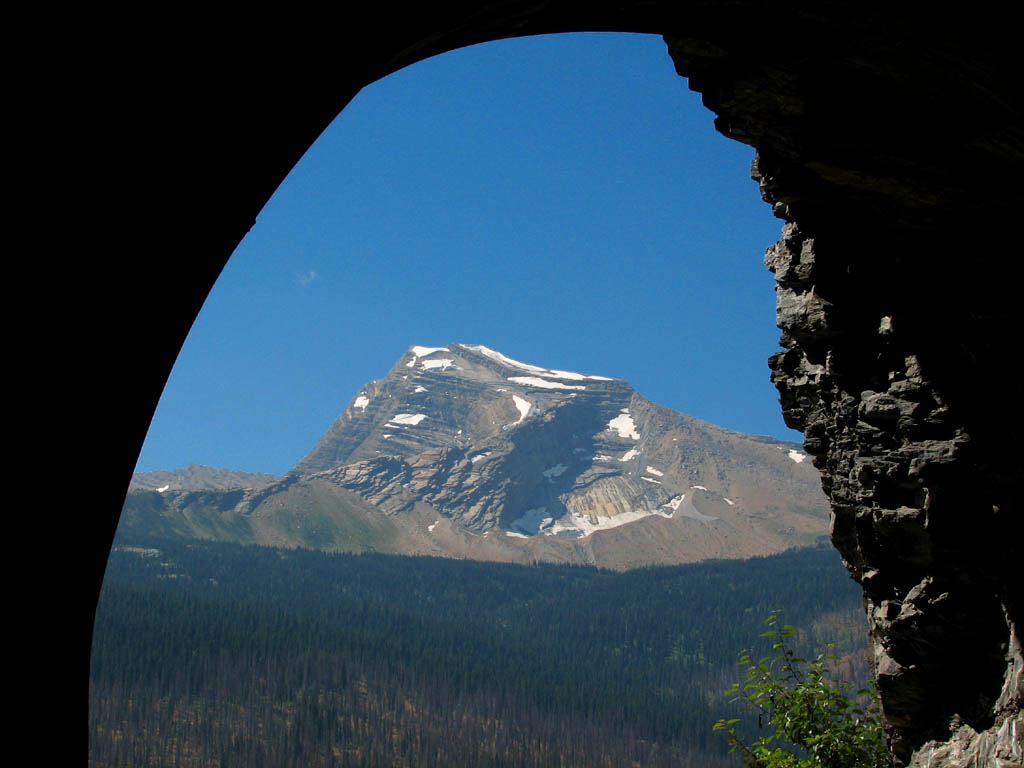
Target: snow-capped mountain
<point>463,451</point>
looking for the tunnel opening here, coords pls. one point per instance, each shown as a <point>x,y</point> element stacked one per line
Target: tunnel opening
<point>765,95</point>
<point>302,279</point>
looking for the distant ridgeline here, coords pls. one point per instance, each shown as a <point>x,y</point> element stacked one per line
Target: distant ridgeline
<point>218,654</point>
<point>463,452</point>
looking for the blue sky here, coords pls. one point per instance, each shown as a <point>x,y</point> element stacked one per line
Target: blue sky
<point>564,199</point>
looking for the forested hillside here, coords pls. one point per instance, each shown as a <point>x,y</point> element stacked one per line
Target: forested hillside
<point>217,654</point>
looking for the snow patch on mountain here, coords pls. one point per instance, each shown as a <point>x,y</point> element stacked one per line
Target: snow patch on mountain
<point>583,527</point>
<point>553,374</point>
<point>651,480</point>
<point>533,381</point>
<point>361,402</point>
<point>674,503</point>
<point>411,419</point>
<point>554,471</point>
<point>549,372</point>
<point>425,351</point>
<point>444,364</point>
<point>623,424</point>
<point>498,357</point>
<point>162,489</point>
<point>630,454</point>
<point>532,521</point>
<point>536,521</point>
<point>797,456</point>
<point>689,510</point>
<point>524,407</point>
<point>656,472</point>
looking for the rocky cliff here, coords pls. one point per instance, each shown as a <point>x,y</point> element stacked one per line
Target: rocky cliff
<point>890,135</point>
<point>893,350</point>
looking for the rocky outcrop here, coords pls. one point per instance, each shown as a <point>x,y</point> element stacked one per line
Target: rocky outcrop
<point>889,134</point>
<point>196,478</point>
<point>917,520</point>
<point>459,443</point>
<point>889,363</point>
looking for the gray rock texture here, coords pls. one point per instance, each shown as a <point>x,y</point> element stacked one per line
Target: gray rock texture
<point>195,477</point>
<point>891,135</point>
<point>891,361</point>
<point>918,522</point>
<point>460,443</point>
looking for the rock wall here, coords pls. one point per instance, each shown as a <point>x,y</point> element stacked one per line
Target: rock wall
<point>893,354</point>
<point>890,137</point>
<point>918,520</point>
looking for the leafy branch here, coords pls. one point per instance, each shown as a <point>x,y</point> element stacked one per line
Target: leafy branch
<point>804,706</point>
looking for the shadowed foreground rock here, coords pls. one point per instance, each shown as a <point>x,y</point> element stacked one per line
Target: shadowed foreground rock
<point>889,137</point>
<point>893,349</point>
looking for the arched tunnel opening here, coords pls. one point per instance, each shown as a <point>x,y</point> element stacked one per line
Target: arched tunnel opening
<point>563,194</point>
<point>890,139</point>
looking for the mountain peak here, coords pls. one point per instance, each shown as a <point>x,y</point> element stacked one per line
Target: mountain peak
<point>463,451</point>
<point>535,369</point>
<point>455,396</point>
<point>427,358</point>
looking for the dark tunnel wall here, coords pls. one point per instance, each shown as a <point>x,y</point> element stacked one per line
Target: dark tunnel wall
<point>889,143</point>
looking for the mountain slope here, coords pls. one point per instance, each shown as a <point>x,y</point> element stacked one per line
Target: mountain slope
<point>195,477</point>
<point>464,452</point>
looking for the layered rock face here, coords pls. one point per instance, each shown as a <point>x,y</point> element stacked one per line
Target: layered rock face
<point>462,451</point>
<point>919,517</point>
<point>497,445</point>
<point>894,344</point>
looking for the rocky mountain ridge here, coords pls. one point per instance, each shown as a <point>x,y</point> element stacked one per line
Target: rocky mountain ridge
<point>462,451</point>
<point>196,477</point>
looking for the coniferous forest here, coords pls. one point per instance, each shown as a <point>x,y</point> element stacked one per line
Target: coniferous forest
<point>211,654</point>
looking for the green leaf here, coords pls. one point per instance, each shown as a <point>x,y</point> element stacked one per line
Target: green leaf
<point>803,706</point>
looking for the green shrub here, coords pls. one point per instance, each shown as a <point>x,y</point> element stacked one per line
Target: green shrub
<point>805,718</point>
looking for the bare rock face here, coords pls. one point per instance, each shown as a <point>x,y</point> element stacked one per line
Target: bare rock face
<point>500,446</point>
<point>918,521</point>
<point>469,453</point>
<point>195,478</point>
<point>894,340</point>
